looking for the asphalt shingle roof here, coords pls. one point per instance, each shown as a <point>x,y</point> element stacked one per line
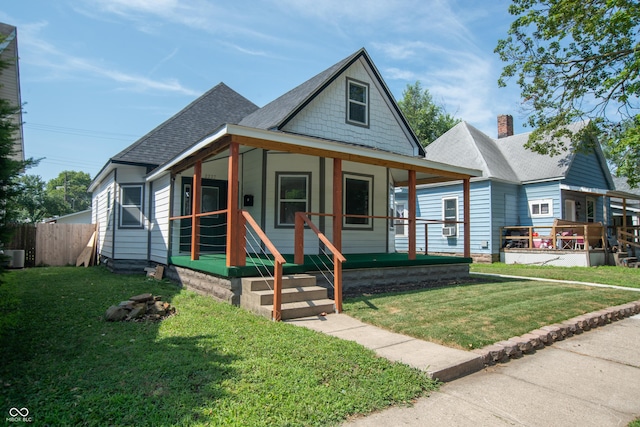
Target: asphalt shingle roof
<point>502,158</point>
<point>218,106</point>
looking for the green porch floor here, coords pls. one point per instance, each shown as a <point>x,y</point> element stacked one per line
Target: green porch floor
<point>216,263</point>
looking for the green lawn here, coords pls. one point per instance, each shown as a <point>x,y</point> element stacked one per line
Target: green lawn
<point>211,364</point>
<point>607,275</point>
<point>475,315</point>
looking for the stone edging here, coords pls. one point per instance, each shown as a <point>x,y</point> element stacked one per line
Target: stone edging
<point>515,347</point>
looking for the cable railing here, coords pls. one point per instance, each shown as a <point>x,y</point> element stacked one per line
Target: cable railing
<point>278,260</point>
<point>336,259</point>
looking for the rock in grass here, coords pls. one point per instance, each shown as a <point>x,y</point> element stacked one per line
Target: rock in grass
<point>115,313</point>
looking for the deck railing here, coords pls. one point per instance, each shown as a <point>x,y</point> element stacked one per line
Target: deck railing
<point>558,236</point>
<point>628,237</point>
<point>278,260</point>
<point>337,258</point>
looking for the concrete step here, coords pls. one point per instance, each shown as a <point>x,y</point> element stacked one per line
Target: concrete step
<point>306,293</point>
<point>295,310</point>
<point>288,281</point>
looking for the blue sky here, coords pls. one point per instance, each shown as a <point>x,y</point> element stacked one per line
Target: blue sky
<point>98,74</point>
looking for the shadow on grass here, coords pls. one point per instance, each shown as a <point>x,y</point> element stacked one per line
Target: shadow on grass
<point>67,366</point>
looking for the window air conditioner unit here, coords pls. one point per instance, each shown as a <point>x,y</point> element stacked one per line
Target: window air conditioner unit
<point>448,231</point>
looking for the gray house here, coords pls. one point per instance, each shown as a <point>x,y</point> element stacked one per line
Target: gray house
<point>518,188</point>
<point>224,188</point>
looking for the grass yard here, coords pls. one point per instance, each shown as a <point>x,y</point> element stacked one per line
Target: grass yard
<point>607,275</point>
<point>475,315</point>
<point>210,364</point>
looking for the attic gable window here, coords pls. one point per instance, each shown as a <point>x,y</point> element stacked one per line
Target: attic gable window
<point>357,103</point>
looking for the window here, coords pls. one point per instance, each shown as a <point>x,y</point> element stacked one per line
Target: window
<point>450,216</point>
<point>450,211</point>
<point>591,210</point>
<point>541,208</point>
<point>293,196</point>
<point>357,103</point>
<point>357,201</point>
<point>401,225</point>
<point>131,206</point>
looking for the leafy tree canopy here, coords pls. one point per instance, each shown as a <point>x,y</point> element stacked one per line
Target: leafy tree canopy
<point>577,60</point>
<point>70,188</point>
<point>427,119</point>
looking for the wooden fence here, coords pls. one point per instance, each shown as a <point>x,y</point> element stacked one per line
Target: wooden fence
<point>23,237</point>
<point>51,244</point>
<point>61,244</point>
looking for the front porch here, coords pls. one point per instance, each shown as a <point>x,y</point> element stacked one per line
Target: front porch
<point>300,283</point>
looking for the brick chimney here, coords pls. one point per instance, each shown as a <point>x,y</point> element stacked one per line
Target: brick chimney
<point>505,125</point>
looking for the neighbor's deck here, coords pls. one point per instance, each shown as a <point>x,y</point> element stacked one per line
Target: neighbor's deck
<point>216,263</point>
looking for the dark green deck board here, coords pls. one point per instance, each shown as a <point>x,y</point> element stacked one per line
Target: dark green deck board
<point>216,263</point>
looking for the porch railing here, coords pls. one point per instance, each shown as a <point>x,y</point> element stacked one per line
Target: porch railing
<point>278,260</point>
<point>628,237</point>
<point>558,236</point>
<point>337,258</point>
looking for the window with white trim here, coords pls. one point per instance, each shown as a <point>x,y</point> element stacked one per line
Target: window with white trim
<point>591,210</point>
<point>401,224</point>
<point>450,211</point>
<point>293,196</point>
<point>357,200</point>
<point>541,208</point>
<point>131,206</point>
<point>357,103</point>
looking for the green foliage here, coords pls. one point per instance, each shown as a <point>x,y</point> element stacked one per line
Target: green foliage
<point>577,60</point>
<point>10,168</point>
<point>210,364</point>
<point>427,119</point>
<point>69,188</point>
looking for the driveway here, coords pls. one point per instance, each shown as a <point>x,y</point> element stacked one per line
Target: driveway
<point>592,379</point>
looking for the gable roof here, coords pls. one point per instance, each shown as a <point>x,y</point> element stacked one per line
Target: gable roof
<point>216,107</point>
<point>503,158</point>
<point>276,114</point>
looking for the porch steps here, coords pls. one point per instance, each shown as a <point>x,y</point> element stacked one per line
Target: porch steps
<point>301,297</point>
<point>622,259</point>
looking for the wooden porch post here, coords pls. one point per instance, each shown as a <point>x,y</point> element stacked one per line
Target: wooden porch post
<point>337,204</point>
<point>195,209</point>
<point>232,207</point>
<point>337,231</point>
<point>412,214</point>
<point>466,186</point>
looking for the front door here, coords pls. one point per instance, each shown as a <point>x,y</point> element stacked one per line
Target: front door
<point>213,230</point>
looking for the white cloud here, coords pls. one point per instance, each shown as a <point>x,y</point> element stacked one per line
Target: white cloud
<point>62,65</point>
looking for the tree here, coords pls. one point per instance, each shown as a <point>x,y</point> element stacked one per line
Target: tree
<point>427,119</point>
<point>10,168</point>
<point>31,204</point>
<point>70,189</point>
<point>578,60</point>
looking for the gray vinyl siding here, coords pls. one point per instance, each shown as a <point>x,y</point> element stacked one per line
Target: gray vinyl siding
<point>587,172</point>
<point>103,214</point>
<point>159,239</point>
<point>132,243</point>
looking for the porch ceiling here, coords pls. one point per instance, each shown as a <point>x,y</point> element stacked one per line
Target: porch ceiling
<point>249,138</point>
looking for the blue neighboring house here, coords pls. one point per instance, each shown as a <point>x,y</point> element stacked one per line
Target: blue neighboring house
<point>517,188</point>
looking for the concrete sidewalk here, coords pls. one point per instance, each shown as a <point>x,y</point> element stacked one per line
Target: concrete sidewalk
<point>440,362</point>
<point>592,379</point>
